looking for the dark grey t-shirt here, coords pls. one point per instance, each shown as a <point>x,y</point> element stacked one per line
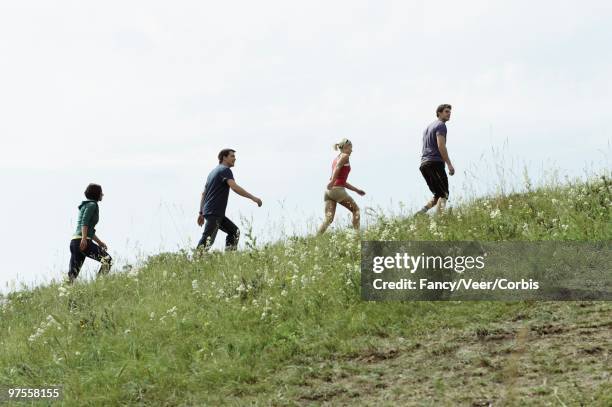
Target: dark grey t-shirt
<point>430,141</point>
<point>217,191</point>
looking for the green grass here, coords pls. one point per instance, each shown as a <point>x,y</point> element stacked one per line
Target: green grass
<point>283,324</point>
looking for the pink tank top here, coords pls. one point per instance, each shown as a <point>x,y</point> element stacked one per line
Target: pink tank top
<point>343,175</point>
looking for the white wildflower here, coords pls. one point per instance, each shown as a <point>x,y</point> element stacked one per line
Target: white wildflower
<point>195,285</point>
<point>172,311</point>
<point>5,304</point>
<point>62,291</point>
<point>495,213</point>
<point>49,322</point>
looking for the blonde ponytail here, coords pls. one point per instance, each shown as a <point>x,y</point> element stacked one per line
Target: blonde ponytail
<point>340,145</point>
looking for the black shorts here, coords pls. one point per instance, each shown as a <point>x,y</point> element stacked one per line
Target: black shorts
<point>435,176</point>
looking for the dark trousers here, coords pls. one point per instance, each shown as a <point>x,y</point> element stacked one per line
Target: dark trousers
<point>435,176</point>
<point>212,225</point>
<point>93,251</point>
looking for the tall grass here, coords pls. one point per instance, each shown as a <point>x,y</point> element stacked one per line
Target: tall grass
<point>259,324</point>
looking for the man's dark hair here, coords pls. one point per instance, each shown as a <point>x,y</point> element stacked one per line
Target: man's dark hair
<point>93,191</point>
<point>441,108</point>
<point>224,153</point>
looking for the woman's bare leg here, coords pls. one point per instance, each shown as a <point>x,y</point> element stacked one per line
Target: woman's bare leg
<point>330,212</point>
<point>352,206</point>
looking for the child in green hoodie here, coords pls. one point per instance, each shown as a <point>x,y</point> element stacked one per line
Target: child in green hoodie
<point>82,244</point>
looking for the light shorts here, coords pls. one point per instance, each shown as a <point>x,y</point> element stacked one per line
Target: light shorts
<point>337,194</point>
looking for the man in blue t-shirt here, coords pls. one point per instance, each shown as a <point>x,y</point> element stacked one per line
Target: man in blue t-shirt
<point>433,157</point>
<point>214,201</point>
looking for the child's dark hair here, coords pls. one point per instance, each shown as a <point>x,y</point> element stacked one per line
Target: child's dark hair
<point>94,192</point>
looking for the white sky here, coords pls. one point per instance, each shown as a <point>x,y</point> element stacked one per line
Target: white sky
<point>140,96</point>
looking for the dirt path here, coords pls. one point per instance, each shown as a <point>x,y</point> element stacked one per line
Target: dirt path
<point>557,354</point>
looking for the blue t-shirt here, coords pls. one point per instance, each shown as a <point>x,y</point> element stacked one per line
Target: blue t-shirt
<point>430,141</point>
<point>217,191</point>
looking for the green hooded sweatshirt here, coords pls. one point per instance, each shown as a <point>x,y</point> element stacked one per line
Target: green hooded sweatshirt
<point>89,215</point>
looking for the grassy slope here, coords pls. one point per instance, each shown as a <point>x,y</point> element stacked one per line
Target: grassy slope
<point>284,324</point>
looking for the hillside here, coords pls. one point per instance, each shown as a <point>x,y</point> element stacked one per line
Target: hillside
<point>284,324</point>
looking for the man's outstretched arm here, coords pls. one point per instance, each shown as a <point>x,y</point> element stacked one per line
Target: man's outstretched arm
<point>243,192</point>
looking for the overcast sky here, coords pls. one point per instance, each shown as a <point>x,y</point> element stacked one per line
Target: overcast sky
<point>140,96</point>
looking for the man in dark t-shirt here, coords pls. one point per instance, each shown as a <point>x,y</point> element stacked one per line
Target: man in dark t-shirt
<point>214,202</point>
<point>433,157</point>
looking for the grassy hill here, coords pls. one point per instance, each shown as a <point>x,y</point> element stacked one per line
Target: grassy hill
<point>284,324</point>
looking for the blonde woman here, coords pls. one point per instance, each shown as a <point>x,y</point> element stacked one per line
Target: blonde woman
<point>337,186</point>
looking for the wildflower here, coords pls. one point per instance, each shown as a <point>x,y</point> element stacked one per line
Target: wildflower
<point>495,213</point>
<point>295,267</point>
<point>152,316</point>
<point>5,304</point>
<point>49,322</point>
<point>195,285</point>
<point>62,291</point>
<point>564,227</point>
<point>172,311</point>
